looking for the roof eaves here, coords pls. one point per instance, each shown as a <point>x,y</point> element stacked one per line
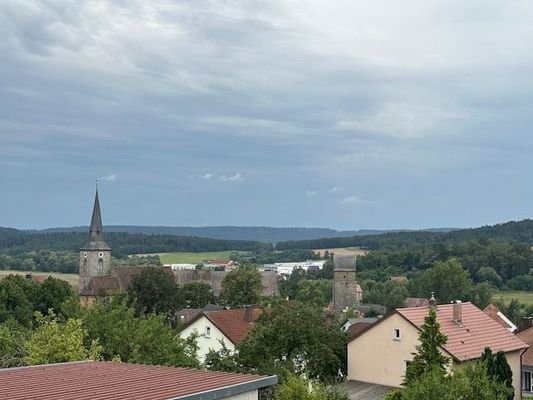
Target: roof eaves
<point>231,390</point>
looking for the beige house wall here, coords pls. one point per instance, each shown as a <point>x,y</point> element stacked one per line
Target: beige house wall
<point>377,357</point>
<point>206,343</point>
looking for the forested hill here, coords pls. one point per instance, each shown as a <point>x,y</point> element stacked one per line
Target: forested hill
<point>511,232</point>
<point>14,242</point>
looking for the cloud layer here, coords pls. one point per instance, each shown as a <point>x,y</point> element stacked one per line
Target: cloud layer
<point>423,107</point>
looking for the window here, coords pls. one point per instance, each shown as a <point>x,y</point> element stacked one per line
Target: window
<point>207,333</point>
<point>406,364</point>
<point>396,334</point>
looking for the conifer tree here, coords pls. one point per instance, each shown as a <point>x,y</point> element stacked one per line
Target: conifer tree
<point>428,354</point>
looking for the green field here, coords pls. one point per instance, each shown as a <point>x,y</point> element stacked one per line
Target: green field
<point>73,279</point>
<point>194,258</point>
<point>508,295</point>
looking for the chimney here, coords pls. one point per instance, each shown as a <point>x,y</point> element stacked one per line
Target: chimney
<point>433,301</point>
<point>458,311</point>
<point>248,314</point>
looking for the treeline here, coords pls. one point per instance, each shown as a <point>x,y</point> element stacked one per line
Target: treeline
<point>520,232</point>
<point>498,263</point>
<point>14,242</point>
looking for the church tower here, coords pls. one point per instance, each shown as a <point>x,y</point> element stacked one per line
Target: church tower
<point>346,291</point>
<point>95,256</point>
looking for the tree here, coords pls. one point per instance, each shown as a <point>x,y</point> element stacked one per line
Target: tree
<point>498,369</point>
<point>197,294</point>
<point>468,383</point>
<point>149,339</point>
<point>447,279</point>
<point>242,287</point>
<point>53,342</point>
<point>428,351</point>
<point>16,299</point>
<point>222,360</point>
<point>52,294</point>
<point>13,338</point>
<point>295,338</point>
<point>154,290</point>
<point>299,388</point>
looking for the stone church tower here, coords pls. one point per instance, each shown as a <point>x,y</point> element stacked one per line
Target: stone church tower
<point>95,256</point>
<point>346,291</point>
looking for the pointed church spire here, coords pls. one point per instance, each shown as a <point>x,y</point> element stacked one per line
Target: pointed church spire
<point>96,232</point>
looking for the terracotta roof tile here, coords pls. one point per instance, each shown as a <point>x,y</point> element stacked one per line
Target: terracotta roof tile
<point>233,323</point>
<point>354,329</point>
<point>527,337</point>
<point>116,381</point>
<point>467,341</point>
<point>494,312</point>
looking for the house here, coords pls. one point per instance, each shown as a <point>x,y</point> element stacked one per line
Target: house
<point>527,361</point>
<point>186,315</point>
<point>494,312</point>
<point>355,325</point>
<point>218,328</point>
<point>93,380</point>
<point>380,353</point>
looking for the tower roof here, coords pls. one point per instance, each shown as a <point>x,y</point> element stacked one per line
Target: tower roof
<point>96,232</point>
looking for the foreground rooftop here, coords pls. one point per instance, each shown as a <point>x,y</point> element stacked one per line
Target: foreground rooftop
<point>119,381</point>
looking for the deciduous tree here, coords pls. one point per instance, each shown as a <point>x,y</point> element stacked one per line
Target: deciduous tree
<point>242,287</point>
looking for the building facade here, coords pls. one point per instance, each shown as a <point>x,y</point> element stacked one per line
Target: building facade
<point>346,291</point>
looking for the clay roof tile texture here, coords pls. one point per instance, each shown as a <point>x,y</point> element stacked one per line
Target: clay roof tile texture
<point>118,381</point>
<point>467,340</point>
<point>233,323</point>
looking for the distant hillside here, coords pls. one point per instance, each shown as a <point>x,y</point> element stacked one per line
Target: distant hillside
<point>254,233</point>
<point>518,232</point>
<point>15,242</point>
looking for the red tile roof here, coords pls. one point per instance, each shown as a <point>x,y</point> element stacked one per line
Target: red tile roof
<point>116,381</point>
<point>233,323</point>
<point>467,340</point>
<point>494,312</point>
<point>527,337</point>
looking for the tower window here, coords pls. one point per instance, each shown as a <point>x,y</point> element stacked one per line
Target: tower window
<point>85,254</point>
<point>100,254</point>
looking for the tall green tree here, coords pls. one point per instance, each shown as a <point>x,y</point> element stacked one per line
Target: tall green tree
<point>197,294</point>
<point>498,369</point>
<point>242,287</point>
<point>13,338</point>
<point>55,342</point>
<point>428,351</point>
<point>447,279</point>
<point>154,290</point>
<point>17,295</point>
<point>295,338</point>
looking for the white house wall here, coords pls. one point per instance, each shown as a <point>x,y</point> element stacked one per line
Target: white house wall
<point>206,343</point>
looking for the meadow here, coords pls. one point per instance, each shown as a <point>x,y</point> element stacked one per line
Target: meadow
<point>193,258</point>
<point>507,295</point>
<point>73,279</point>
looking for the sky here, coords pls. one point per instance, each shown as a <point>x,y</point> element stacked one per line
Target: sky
<point>345,114</point>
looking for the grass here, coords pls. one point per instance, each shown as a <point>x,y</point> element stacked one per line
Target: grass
<point>194,258</point>
<point>73,279</point>
<point>507,295</point>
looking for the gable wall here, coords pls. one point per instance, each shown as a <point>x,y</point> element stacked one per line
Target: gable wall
<point>375,357</point>
<point>206,343</point>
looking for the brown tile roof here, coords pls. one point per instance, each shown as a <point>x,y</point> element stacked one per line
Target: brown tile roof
<point>527,337</point>
<point>101,285</point>
<point>107,380</point>
<point>354,329</point>
<point>467,341</point>
<point>233,323</point>
<point>416,302</point>
<point>125,275</point>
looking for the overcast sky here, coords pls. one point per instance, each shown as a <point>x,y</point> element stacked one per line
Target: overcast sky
<point>345,114</point>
